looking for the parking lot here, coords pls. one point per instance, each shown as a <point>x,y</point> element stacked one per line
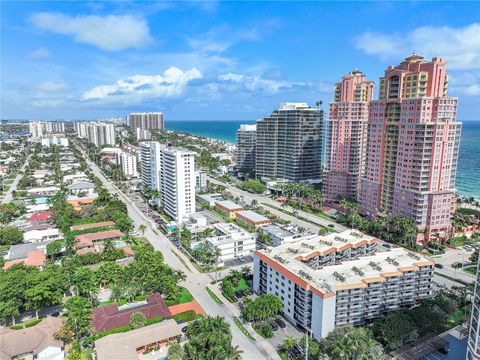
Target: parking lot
<point>281,334</point>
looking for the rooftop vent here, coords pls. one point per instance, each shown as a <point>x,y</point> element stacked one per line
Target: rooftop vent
<point>339,277</point>
<point>358,271</point>
<point>375,266</point>
<point>392,261</point>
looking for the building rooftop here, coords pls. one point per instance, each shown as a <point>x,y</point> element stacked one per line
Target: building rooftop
<point>32,340</point>
<point>111,317</point>
<point>92,226</point>
<point>229,205</point>
<point>124,346</point>
<point>41,215</point>
<point>21,251</point>
<point>252,216</point>
<point>81,185</point>
<point>88,239</point>
<point>349,274</point>
<point>278,231</point>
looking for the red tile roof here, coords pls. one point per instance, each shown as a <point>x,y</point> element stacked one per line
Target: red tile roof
<point>86,250</point>
<point>88,239</point>
<point>36,258</point>
<point>92,226</point>
<point>41,215</point>
<point>109,317</point>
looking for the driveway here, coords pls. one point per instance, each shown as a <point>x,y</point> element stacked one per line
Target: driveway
<point>281,334</point>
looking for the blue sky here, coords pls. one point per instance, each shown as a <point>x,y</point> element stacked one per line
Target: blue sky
<point>218,60</point>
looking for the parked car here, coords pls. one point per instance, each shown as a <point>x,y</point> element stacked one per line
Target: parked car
<point>281,323</point>
<point>438,266</point>
<point>184,329</point>
<point>388,246</point>
<point>274,325</point>
<point>331,225</point>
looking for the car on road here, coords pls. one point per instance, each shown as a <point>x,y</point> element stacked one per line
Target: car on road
<point>385,245</point>
<point>438,266</point>
<point>281,323</point>
<point>184,329</point>
<point>331,225</point>
<point>274,325</point>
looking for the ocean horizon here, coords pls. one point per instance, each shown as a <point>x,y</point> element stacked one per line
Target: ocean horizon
<point>468,173</point>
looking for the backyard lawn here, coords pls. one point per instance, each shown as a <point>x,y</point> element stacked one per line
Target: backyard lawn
<point>242,285</point>
<point>183,297</point>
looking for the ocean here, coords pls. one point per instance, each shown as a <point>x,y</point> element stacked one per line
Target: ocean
<point>468,174</point>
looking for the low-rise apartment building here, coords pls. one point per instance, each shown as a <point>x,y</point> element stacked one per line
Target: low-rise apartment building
<point>251,218</point>
<point>228,208</point>
<point>340,280</point>
<point>232,241</point>
<point>280,235</point>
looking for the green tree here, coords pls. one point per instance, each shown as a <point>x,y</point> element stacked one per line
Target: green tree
<point>175,352</point>
<point>54,248</point>
<point>109,273</point>
<point>85,283</point>
<point>395,330</point>
<point>138,320</point>
<point>288,344</point>
<point>78,315</point>
<point>45,292</point>
<point>142,228</point>
<point>264,307</point>
<point>474,256</point>
<point>351,343</point>
<point>10,235</point>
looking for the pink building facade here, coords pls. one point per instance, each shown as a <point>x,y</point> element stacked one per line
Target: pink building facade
<point>346,137</point>
<point>412,150</point>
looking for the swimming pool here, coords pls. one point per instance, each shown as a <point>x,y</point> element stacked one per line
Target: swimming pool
<point>119,243</point>
<point>41,200</point>
<point>458,349</point>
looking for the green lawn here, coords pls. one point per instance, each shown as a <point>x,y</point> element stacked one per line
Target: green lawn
<point>242,328</point>
<point>471,270</point>
<point>458,316</point>
<point>186,316</point>
<point>26,324</point>
<point>242,285</point>
<point>183,297</point>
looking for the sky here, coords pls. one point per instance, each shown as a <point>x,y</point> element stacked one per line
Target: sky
<point>219,60</point>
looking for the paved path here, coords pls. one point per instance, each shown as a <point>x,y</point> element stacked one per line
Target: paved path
<point>195,282</point>
<point>248,197</point>
<point>8,196</point>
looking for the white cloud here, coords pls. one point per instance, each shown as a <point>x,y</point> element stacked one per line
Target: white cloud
<point>257,83</point>
<point>459,46</point>
<point>40,53</point>
<point>466,83</point>
<point>50,87</point>
<point>138,88</point>
<point>112,32</point>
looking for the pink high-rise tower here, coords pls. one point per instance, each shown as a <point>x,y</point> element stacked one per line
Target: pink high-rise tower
<point>412,149</point>
<point>346,137</point>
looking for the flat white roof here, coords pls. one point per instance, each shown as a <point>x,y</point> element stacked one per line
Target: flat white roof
<point>252,216</point>
<point>349,273</point>
<point>229,205</point>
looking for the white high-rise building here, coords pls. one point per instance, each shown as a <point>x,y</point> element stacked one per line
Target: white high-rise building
<point>128,162</point>
<point>81,128</point>
<point>100,134</point>
<point>40,128</point>
<point>143,134</point>
<point>171,172</point>
<point>473,345</point>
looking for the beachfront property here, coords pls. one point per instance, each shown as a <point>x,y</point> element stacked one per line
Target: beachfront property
<point>346,137</point>
<point>473,347</point>
<point>251,218</point>
<point>280,235</point>
<point>413,145</point>
<point>146,121</point>
<point>232,241</point>
<point>130,345</point>
<point>289,143</point>
<point>36,342</point>
<point>228,208</point>
<point>246,137</point>
<point>340,280</point>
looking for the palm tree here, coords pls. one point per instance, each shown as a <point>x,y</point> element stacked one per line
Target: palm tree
<point>289,344</point>
<point>142,228</point>
<point>254,204</point>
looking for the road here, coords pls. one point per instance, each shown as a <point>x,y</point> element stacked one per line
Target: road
<point>261,199</point>
<point>450,257</point>
<point>8,196</point>
<point>195,282</point>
